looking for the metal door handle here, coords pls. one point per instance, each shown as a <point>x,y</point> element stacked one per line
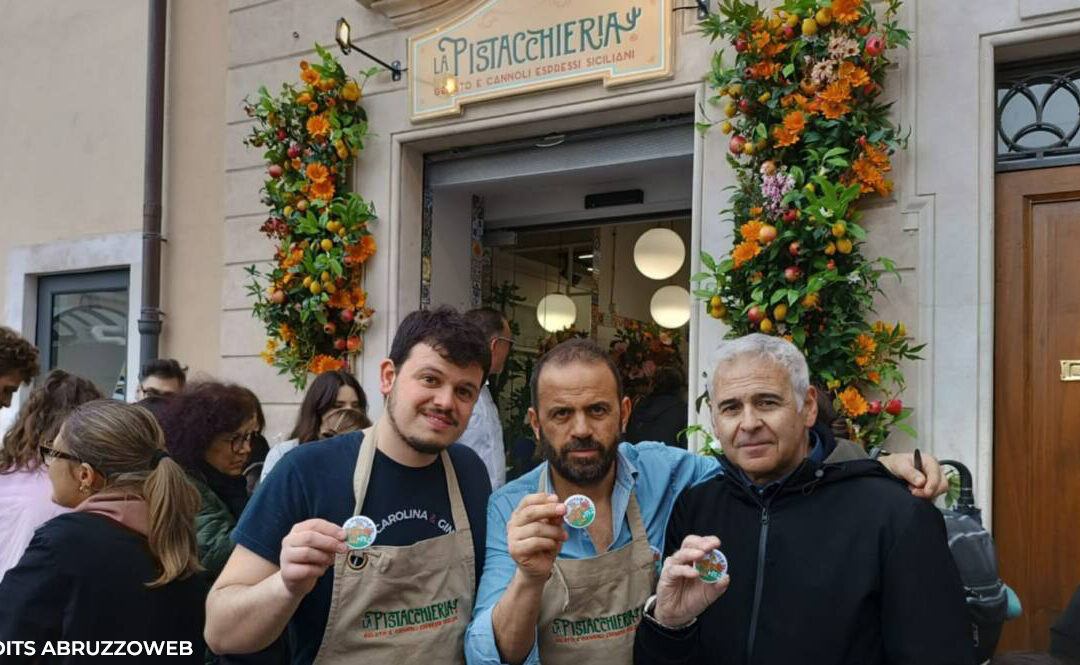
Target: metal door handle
<point>1070,370</point>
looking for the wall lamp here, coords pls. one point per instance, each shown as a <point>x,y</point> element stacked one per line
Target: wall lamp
<point>343,34</point>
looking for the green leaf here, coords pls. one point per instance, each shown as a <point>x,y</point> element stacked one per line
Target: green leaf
<point>778,296</point>
<point>907,429</point>
<point>788,69</point>
<point>707,259</point>
<point>758,295</point>
<point>856,231</point>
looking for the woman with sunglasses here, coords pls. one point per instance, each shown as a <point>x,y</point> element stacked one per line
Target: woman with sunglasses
<point>123,565</point>
<point>24,485</point>
<point>208,429</point>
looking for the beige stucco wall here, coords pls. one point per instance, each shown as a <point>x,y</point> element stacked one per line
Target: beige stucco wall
<point>71,171</point>
<point>73,81</point>
<point>194,188</point>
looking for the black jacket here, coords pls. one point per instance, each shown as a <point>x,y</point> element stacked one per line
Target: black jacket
<point>658,417</point>
<point>82,578</point>
<point>839,563</point>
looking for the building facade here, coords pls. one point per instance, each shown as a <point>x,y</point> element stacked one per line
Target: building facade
<point>73,160</point>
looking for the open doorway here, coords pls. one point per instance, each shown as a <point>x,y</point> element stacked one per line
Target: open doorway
<point>583,235</point>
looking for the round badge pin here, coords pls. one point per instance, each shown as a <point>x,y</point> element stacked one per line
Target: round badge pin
<point>360,532</point>
<point>712,567</point>
<point>580,511</point>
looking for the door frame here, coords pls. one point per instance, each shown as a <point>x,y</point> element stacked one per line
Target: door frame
<point>407,152</point>
<point>989,47</point>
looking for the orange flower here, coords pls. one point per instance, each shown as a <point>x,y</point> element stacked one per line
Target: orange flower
<point>851,74</point>
<point>862,361</point>
<point>870,168</point>
<point>873,376</point>
<point>846,11</point>
<point>313,107</point>
<point>322,363</point>
<point>309,76</point>
<point>304,65</point>
<point>773,49</point>
<point>286,334</point>
<point>750,230</point>
<point>317,172</point>
<point>765,69</point>
<point>745,251</point>
<point>362,250</point>
<point>794,122</point>
<point>853,402</point>
<point>834,110</point>
<point>270,351</point>
<point>318,126</point>
<point>865,344</point>
<point>322,190</point>
<point>755,211</point>
<point>303,98</point>
<point>761,39</point>
<point>294,258</point>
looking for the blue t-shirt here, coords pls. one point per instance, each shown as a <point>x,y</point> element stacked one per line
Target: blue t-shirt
<point>316,480</point>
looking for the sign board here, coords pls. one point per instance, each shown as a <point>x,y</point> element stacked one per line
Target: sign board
<point>513,47</point>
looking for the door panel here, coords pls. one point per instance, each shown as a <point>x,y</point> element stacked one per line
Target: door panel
<point>1036,414</point>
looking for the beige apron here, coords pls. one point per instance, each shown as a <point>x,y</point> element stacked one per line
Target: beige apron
<point>591,607</point>
<point>402,605</point>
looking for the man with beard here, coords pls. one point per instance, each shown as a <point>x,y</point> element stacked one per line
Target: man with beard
<point>408,595</point>
<point>565,595</point>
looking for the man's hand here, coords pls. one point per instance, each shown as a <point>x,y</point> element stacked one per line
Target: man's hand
<point>307,551</point>
<point>681,594</point>
<point>929,483</point>
<point>535,534</point>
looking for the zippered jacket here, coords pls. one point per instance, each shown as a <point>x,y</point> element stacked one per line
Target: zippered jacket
<point>837,563</point>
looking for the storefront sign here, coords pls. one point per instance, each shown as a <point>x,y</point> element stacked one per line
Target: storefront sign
<point>512,47</point>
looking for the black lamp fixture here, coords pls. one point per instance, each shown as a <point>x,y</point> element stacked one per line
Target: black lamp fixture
<point>343,33</point>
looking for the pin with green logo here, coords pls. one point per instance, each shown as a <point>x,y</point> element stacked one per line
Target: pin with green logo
<point>712,567</point>
<point>580,511</point>
<point>360,532</point>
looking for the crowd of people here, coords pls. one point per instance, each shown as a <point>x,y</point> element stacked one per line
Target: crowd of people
<point>172,518</point>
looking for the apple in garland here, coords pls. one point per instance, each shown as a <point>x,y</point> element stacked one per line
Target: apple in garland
<point>275,171</point>
<point>874,407</point>
<point>755,315</point>
<point>339,344</point>
<point>793,248</point>
<point>767,234</point>
<point>737,144</point>
<point>792,274</point>
<point>741,45</point>
<point>875,46</point>
<point>346,315</point>
<point>893,407</point>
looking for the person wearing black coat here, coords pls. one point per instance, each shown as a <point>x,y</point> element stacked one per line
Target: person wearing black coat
<point>662,414</point>
<point>827,563</point>
<point>123,566</point>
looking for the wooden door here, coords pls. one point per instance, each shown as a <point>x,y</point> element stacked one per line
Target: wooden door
<point>1036,413</point>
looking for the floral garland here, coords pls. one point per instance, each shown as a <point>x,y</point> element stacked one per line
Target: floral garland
<point>312,301</point>
<point>809,138</point>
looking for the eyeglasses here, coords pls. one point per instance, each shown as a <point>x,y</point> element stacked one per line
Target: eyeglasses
<point>508,341</point>
<point>48,453</point>
<point>237,441</point>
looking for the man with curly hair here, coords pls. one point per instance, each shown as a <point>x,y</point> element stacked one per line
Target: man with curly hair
<point>18,364</point>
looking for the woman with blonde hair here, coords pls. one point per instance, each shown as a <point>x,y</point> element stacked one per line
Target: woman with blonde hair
<point>24,485</point>
<point>123,565</point>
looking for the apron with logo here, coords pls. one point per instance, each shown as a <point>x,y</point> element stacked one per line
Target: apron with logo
<point>591,607</point>
<point>402,605</point>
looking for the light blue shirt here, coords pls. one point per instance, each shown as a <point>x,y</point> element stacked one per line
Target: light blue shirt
<point>655,472</point>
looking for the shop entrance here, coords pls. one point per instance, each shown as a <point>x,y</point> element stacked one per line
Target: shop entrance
<point>578,235</point>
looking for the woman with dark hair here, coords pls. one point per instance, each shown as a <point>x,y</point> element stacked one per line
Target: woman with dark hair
<point>123,565</point>
<point>329,392</point>
<point>24,484</point>
<point>208,430</point>
<point>662,414</point>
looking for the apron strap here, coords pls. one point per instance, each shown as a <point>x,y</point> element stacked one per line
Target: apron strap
<point>366,459</point>
<point>457,504</point>
<point>362,476</point>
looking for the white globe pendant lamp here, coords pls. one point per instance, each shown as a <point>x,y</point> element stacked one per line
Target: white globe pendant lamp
<point>659,253</point>
<point>556,312</point>
<point>670,306</point>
